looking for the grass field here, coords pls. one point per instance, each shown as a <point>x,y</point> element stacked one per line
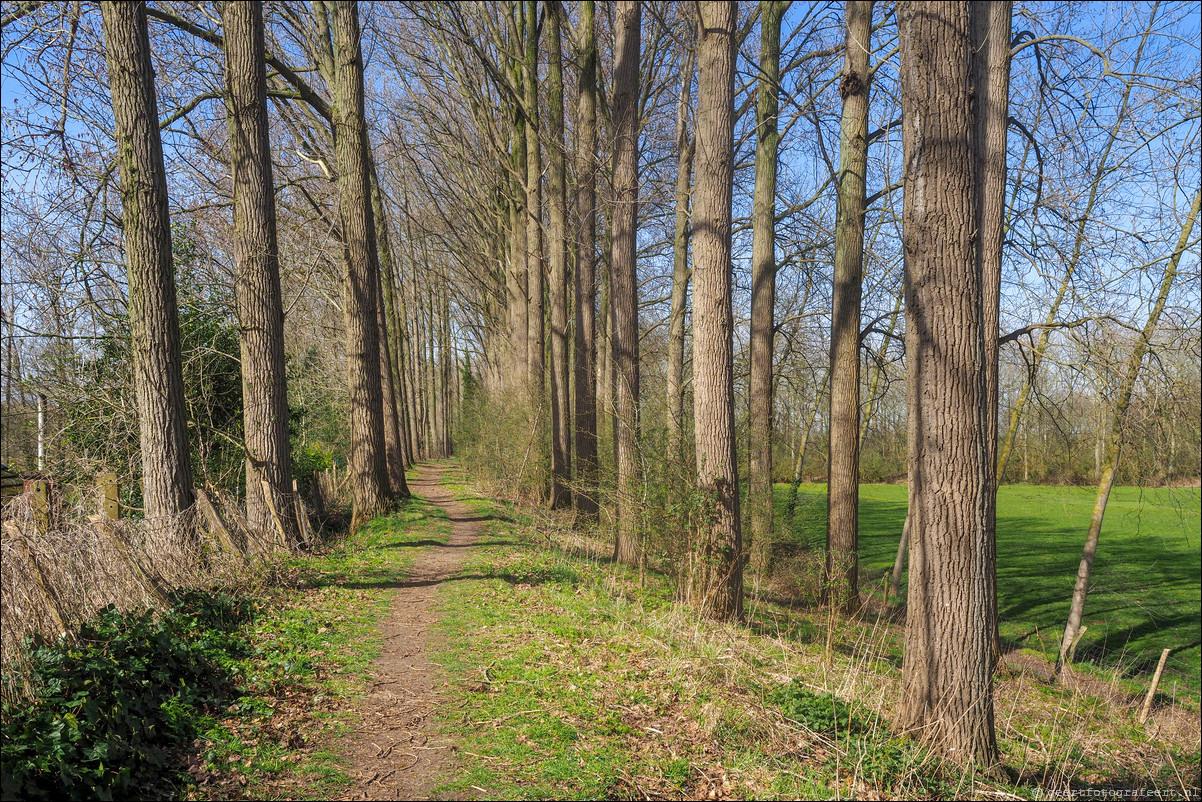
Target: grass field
<point>1146,587</point>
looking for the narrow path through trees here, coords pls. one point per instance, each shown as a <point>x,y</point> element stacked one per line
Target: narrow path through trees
<point>396,752</point>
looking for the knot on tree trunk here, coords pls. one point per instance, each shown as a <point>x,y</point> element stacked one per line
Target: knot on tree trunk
<point>852,84</point>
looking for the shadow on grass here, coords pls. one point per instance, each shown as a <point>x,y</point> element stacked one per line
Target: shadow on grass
<point>443,544</point>
<point>1144,583</point>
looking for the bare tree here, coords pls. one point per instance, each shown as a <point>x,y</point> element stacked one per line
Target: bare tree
<point>368,444</point>
<point>947,676</point>
<point>584,339</point>
<point>624,310</point>
<point>843,487</point>
<point>146,226</point>
<point>557,258</point>
<point>763,283</point>
<point>257,271</point>
<point>1118,418</point>
<point>717,576</point>
<point>680,257</point>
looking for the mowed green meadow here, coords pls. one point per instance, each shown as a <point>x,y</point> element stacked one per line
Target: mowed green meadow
<point>1145,590</point>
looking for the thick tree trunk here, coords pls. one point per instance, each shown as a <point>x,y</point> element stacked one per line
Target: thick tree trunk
<point>585,336</point>
<point>947,677</point>
<point>557,250</point>
<point>624,311</point>
<point>150,270</point>
<point>369,464</point>
<point>843,486</point>
<point>717,586</point>
<point>257,272</point>
<point>1114,436</point>
<point>680,262</point>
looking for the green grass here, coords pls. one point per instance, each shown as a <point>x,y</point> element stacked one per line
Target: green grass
<point>574,678</point>
<point>1146,586</point>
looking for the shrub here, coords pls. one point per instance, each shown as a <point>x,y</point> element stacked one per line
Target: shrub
<point>115,702</point>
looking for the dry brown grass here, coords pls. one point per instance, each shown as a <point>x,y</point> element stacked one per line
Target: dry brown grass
<point>53,579</point>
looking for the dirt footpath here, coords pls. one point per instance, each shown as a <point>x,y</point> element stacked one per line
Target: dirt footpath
<point>396,752</point>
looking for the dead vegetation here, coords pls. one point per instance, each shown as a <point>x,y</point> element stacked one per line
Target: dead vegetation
<point>57,570</point>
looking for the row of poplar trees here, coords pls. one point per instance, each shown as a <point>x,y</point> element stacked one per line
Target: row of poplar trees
<point>955,71</point>
<point>383,434</point>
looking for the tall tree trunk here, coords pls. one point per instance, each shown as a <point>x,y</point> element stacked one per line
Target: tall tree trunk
<point>369,463</point>
<point>947,677</point>
<point>680,260</point>
<point>717,588</point>
<point>1114,437</point>
<point>394,328</point>
<point>584,340</point>
<point>519,302</point>
<point>150,271</point>
<point>257,271</point>
<point>408,349</point>
<point>394,445</point>
<point>991,76</point>
<point>557,244</point>
<point>535,279</point>
<point>843,487</point>
<point>624,310</point>
<point>763,284</point>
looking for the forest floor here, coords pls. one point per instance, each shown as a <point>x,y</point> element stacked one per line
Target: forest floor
<point>464,648</point>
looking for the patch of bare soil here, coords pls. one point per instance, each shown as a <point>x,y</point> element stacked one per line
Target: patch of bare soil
<point>396,751</point>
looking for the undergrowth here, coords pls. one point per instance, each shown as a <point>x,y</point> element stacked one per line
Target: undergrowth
<point>223,696</point>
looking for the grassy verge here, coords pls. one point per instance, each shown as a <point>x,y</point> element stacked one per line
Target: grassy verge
<point>1146,589</point>
<point>573,678</point>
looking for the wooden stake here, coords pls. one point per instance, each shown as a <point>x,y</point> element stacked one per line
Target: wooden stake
<point>275,516</point>
<point>216,526</point>
<point>1143,714</point>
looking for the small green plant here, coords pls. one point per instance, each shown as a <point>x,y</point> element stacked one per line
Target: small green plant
<point>820,712</point>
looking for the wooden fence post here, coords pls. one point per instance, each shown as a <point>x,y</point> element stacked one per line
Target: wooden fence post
<point>110,505</point>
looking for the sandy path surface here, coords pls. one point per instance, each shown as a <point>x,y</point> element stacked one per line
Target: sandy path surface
<point>396,752</point>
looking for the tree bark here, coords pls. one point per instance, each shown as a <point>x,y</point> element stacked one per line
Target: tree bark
<point>1114,436</point>
<point>584,339</point>
<point>842,586</point>
<point>368,457</point>
<point>257,271</point>
<point>557,245</point>
<point>624,315</point>
<point>394,329</point>
<point>947,678</point>
<point>763,284</point>
<point>991,76</point>
<point>535,279</point>
<point>717,588</point>
<point>680,261</point>
<point>150,270</point>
